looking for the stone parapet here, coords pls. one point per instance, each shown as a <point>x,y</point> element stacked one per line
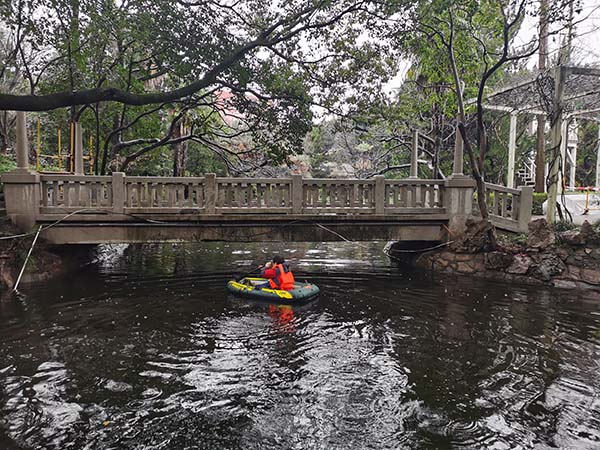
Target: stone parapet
<point>459,201</point>
<point>22,197</point>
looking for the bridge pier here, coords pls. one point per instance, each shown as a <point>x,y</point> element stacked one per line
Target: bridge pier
<point>22,185</point>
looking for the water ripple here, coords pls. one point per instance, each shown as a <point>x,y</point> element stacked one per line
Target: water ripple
<point>147,350</point>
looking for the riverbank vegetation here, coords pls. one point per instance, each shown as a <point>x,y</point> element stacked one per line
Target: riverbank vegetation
<point>182,89</point>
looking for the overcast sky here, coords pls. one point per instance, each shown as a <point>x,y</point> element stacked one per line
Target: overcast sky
<point>586,48</point>
<point>586,43</point>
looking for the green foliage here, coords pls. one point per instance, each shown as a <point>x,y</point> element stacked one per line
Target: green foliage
<point>518,239</point>
<point>538,199</point>
<point>427,100</point>
<point>154,46</point>
<point>587,153</point>
<point>564,225</point>
<point>7,164</point>
<point>148,46</point>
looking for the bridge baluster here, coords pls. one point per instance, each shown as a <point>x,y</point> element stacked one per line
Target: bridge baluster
<point>294,195</point>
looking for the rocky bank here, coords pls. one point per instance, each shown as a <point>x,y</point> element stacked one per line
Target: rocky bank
<point>45,262</point>
<point>569,259</point>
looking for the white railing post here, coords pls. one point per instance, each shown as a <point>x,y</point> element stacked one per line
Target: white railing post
<point>379,194</point>
<point>525,207</point>
<point>297,194</point>
<point>118,192</point>
<point>210,192</point>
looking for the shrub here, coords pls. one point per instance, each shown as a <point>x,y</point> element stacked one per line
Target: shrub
<point>564,225</point>
<point>538,199</point>
<point>6,165</point>
<point>520,239</point>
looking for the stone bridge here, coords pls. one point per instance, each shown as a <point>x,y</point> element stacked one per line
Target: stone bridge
<point>84,209</point>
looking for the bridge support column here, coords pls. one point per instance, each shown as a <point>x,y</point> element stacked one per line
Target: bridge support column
<point>22,185</point>
<point>459,201</point>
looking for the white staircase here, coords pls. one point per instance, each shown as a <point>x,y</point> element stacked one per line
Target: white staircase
<point>526,174</point>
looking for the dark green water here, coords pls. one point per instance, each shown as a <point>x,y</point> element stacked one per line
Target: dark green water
<point>146,350</point>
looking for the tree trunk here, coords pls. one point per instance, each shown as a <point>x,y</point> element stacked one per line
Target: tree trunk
<point>3,144</point>
<point>4,133</point>
<point>97,149</point>
<point>540,158</point>
<point>180,151</point>
<point>114,141</point>
<point>479,181</point>
<point>540,155</point>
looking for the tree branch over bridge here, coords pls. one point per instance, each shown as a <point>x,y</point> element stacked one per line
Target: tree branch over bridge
<point>280,31</point>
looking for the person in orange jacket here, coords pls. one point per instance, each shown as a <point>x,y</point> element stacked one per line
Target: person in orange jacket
<point>279,274</point>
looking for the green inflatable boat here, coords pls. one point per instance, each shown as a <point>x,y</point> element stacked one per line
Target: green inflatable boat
<point>246,288</point>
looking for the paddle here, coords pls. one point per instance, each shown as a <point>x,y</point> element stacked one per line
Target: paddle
<point>252,272</point>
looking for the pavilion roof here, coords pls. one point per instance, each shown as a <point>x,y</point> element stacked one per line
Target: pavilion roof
<point>535,94</point>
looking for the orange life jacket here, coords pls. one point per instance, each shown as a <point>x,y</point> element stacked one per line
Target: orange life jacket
<point>285,280</point>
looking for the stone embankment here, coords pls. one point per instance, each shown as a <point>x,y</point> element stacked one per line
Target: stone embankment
<point>45,262</point>
<point>569,259</point>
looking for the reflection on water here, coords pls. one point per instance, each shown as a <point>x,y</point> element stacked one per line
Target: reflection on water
<point>146,350</point>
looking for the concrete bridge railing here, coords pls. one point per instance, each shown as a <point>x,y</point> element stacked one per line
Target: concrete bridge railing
<point>510,209</point>
<point>60,194</point>
<point>33,197</point>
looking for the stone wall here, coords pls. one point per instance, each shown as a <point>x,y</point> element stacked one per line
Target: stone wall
<point>568,260</point>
